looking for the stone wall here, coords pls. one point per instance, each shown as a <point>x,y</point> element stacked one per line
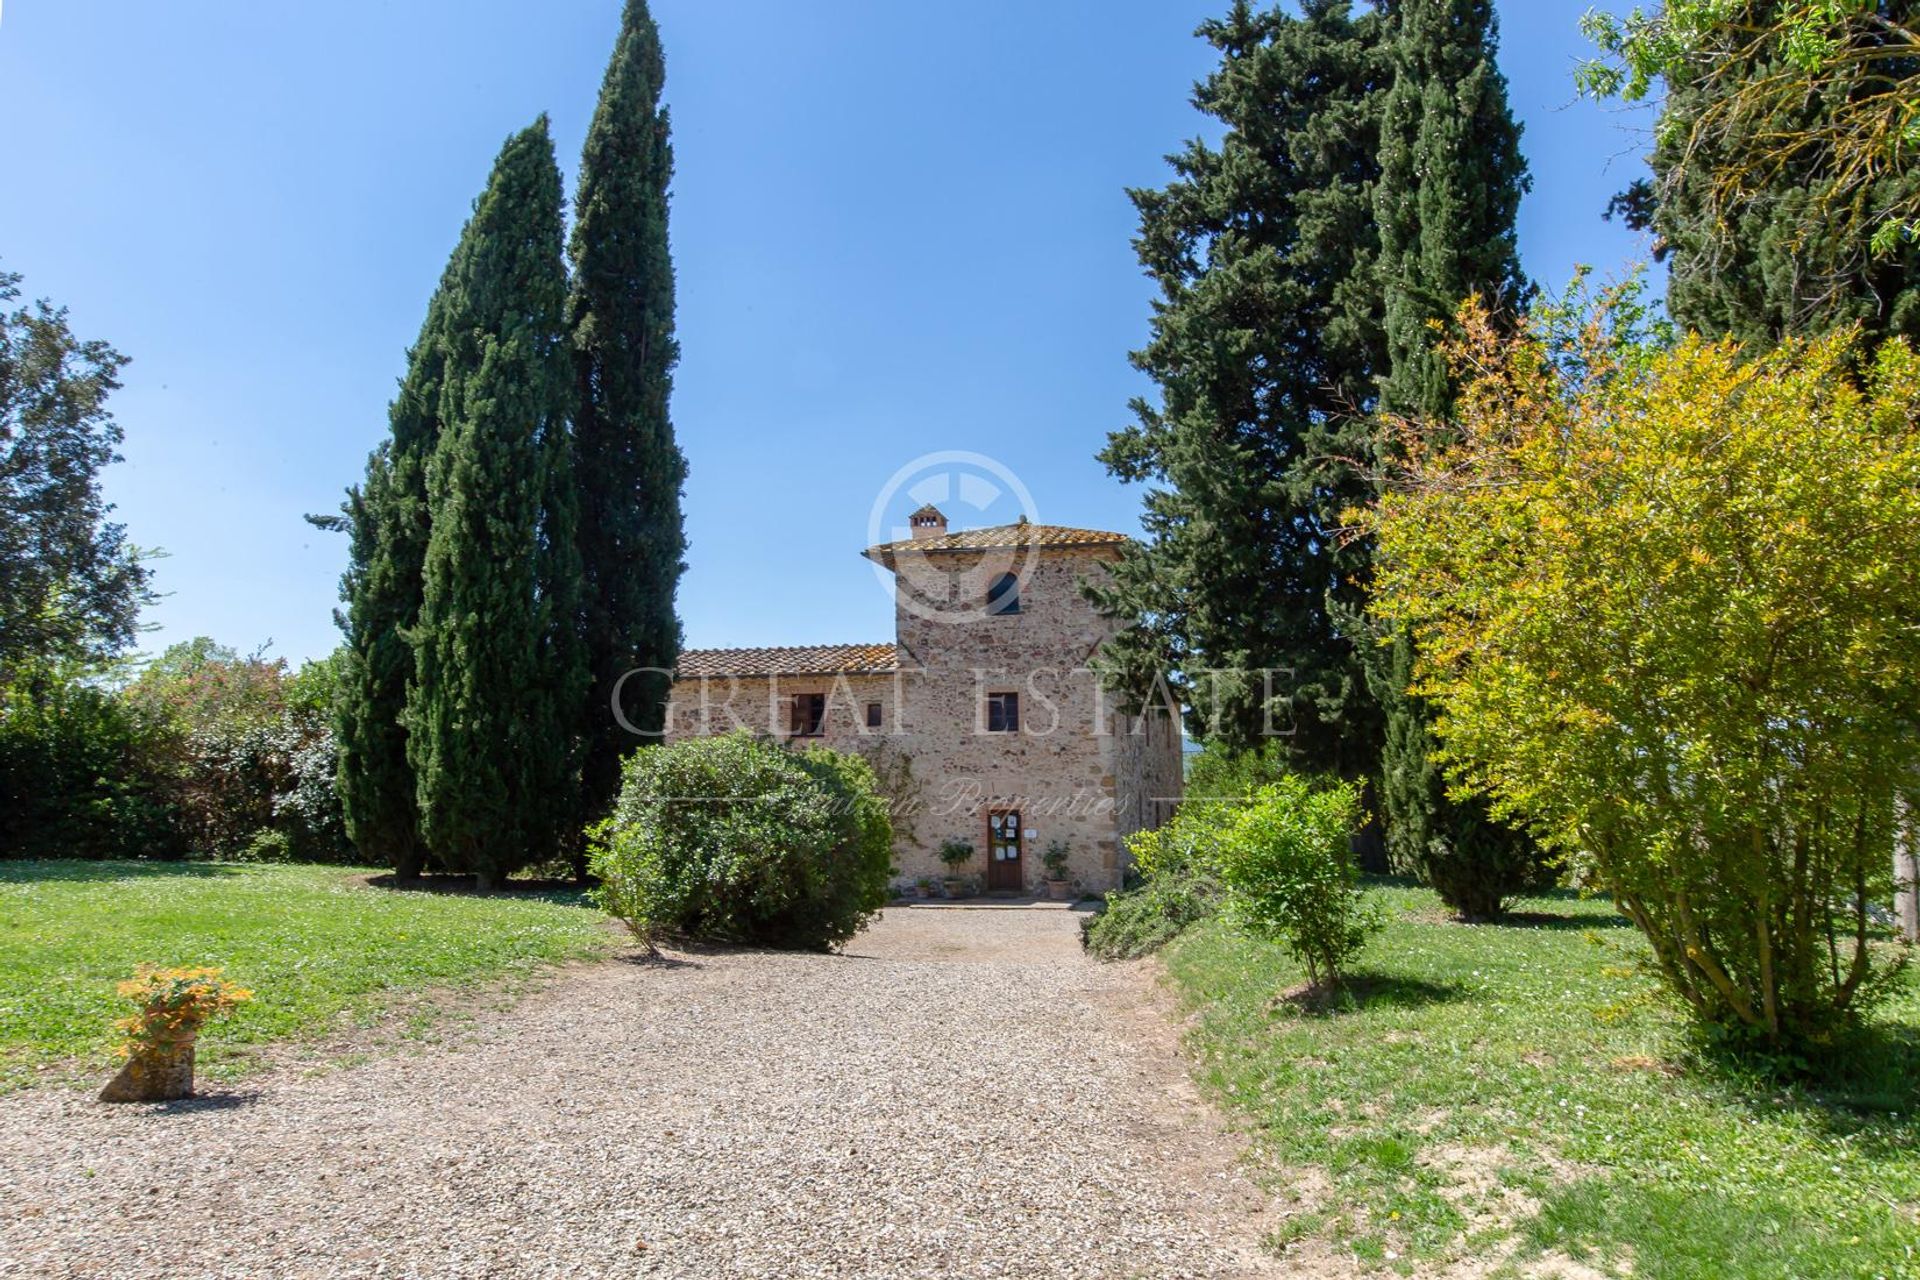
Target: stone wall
<point>1151,774</point>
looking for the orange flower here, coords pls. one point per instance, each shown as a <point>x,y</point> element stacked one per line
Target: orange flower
<point>174,1003</point>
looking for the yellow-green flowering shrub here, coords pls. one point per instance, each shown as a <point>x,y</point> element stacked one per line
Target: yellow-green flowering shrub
<point>1668,603</point>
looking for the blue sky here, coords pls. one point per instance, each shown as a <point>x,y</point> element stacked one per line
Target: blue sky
<point>899,228</point>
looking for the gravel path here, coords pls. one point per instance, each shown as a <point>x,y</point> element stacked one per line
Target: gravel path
<point>962,1094</point>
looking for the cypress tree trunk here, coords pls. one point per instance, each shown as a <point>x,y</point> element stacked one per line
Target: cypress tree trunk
<point>1451,178</point>
<point>630,471</point>
<point>490,707</point>
<point>387,521</point>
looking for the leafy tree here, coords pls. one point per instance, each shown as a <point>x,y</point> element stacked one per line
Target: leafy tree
<point>737,839</point>
<point>1789,127</point>
<point>1784,196</point>
<point>199,681</point>
<point>1451,178</point>
<point>494,697</point>
<point>70,585</point>
<point>1668,604</point>
<point>237,753</point>
<point>317,686</point>
<point>1266,344</point>
<point>628,468</point>
<point>222,744</point>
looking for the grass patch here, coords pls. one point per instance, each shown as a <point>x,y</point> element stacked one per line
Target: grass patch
<point>1525,1087</point>
<point>320,951</point>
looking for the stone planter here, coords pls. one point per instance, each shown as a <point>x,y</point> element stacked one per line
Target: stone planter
<point>956,887</point>
<point>158,1072</point>
<point>1059,890</point>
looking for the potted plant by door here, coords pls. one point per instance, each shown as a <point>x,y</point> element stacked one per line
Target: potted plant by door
<point>1059,884</point>
<point>956,853</point>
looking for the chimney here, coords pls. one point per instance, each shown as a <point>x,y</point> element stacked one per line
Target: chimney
<point>927,522</point>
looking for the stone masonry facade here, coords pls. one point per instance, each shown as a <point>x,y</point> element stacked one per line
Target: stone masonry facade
<point>979,615</point>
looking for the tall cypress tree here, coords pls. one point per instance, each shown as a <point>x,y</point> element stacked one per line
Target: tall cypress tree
<point>1265,343</point>
<point>630,471</point>
<point>1451,178</point>
<point>497,671</point>
<point>386,519</point>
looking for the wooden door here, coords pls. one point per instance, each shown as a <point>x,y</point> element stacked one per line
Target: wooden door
<point>1004,870</point>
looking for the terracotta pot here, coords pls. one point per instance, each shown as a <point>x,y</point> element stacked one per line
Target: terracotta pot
<point>158,1072</point>
<point>955,886</point>
<point>1059,890</point>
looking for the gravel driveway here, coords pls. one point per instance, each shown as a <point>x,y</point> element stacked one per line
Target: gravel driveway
<point>961,1094</point>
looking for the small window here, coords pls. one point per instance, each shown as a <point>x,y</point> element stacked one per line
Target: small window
<point>1003,713</point>
<point>873,715</point>
<point>807,715</point>
<point>1004,595</point>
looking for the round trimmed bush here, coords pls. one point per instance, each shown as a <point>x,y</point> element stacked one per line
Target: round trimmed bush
<point>738,839</point>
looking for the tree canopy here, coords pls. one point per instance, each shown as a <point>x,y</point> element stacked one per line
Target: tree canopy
<point>1265,345</point>
<point>1785,193</point>
<point>71,586</point>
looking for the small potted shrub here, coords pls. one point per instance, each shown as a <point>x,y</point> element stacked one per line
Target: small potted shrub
<point>173,1004</point>
<point>1059,883</point>
<point>956,853</point>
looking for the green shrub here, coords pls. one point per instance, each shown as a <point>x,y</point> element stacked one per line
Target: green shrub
<point>735,839</point>
<point>1278,857</point>
<point>204,750</point>
<point>81,772</point>
<point>1177,886</point>
<point>1219,773</point>
<point>1478,865</point>
<point>859,860</point>
<point>267,846</point>
<point>1140,921</point>
<point>1287,867</point>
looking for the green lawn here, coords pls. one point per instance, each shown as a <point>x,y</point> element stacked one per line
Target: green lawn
<point>1524,1088</point>
<point>319,951</point>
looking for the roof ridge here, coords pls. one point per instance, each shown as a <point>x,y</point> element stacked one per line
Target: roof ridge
<point>1022,533</point>
<point>790,660</point>
<point>756,648</point>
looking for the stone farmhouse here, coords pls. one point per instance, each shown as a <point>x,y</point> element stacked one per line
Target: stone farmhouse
<point>982,715</point>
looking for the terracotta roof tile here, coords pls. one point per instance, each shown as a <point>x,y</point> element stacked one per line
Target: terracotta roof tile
<point>1022,534</point>
<point>790,660</point>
